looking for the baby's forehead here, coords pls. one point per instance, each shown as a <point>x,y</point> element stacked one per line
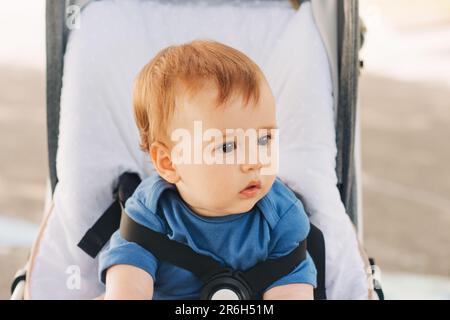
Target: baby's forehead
<point>202,109</point>
<point>207,95</point>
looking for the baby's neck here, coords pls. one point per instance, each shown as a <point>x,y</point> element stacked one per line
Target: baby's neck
<point>205,212</point>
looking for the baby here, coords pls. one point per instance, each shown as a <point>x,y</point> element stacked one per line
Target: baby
<point>207,192</point>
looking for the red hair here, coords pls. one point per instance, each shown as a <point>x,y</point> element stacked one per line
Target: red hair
<point>191,65</point>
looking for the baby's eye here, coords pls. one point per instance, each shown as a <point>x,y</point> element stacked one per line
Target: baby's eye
<point>264,140</point>
<point>228,146</point>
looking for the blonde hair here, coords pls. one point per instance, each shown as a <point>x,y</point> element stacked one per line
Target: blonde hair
<point>193,64</point>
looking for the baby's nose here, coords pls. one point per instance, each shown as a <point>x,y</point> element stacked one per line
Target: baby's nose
<point>251,166</point>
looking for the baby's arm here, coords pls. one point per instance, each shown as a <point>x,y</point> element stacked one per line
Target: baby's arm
<point>126,282</point>
<point>293,291</point>
<point>127,269</point>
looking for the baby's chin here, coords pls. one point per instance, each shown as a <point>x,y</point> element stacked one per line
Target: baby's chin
<point>240,206</point>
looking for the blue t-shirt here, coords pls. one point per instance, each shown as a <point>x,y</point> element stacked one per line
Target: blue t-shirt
<point>272,228</point>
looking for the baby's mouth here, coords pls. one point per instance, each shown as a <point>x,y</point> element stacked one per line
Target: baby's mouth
<point>252,189</point>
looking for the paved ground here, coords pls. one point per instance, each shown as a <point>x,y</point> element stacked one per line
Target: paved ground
<point>405,132</point>
<point>23,158</point>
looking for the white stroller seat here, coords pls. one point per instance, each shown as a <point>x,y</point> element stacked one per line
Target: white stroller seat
<point>99,140</point>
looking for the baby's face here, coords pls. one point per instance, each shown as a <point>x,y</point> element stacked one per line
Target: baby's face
<point>212,188</point>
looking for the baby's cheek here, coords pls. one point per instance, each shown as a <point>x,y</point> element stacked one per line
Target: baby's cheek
<point>217,180</point>
<point>267,183</point>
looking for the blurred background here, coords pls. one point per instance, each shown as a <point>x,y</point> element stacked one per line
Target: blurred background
<point>405,132</point>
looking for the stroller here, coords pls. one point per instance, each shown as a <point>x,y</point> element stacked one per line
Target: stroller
<point>94,50</point>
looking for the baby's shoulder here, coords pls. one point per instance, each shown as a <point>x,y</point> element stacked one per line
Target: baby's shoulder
<point>142,205</point>
<point>281,204</point>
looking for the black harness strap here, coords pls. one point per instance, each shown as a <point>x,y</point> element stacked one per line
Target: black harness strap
<point>168,250</point>
<point>316,248</point>
<point>99,234</point>
<point>267,272</point>
<point>204,267</point>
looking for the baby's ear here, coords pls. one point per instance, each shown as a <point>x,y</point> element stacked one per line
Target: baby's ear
<point>162,162</point>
